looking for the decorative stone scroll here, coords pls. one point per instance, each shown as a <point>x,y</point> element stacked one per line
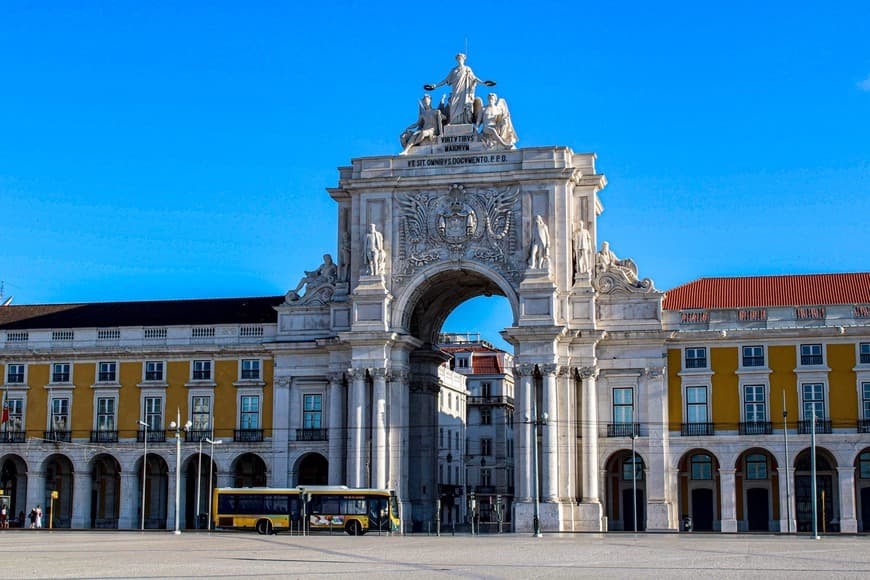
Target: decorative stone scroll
<point>613,275</point>
<point>460,224</point>
<point>549,369</point>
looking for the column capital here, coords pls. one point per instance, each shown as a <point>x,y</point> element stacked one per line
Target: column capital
<point>398,375</point>
<point>356,374</point>
<point>847,470</point>
<point>727,471</point>
<point>335,379</point>
<point>524,369</point>
<point>283,382</point>
<point>587,372</point>
<point>564,371</point>
<point>379,373</point>
<point>549,369</point>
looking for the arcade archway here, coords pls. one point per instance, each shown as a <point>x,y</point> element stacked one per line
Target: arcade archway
<point>13,481</point>
<point>313,469</point>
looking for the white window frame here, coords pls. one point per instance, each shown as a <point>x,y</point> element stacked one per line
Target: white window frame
<point>192,396</point>
<point>52,374</point>
<point>614,405</point>
<point>825,399</point>
<point>242,370</point>
<point>143,406</point>
<point>145,371</point>
<point>17,395</point>
<point>863,349</point>
<point>763,364</point>
<point>103,396</point>
<point>242,395</point>
<point>49,419</point>
<point>23,380</point>
<point>743,402</point>
<point>113,364</point>
<point>686,358</point>
<point>194,370</point>
<point>319,412</point>
<point>687,405</point>
<point>822,353</point>
<point>865,400</point>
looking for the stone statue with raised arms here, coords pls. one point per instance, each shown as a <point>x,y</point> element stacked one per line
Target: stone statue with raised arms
<point>462,85</point>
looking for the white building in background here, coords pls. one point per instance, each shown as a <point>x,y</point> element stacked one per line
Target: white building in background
<point>452,409</point>
<point>489,458</point>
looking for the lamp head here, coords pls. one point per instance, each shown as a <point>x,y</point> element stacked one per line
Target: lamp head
<point>173,424</point>
<point>144,424</point>
<point>187,426</point>
<point>545,417</point>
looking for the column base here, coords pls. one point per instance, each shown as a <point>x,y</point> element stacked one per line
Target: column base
<point>784,527</point>
<point>729,526</point>
<point>849,526</point>
<point>660,517</point>
<point>589,517</point>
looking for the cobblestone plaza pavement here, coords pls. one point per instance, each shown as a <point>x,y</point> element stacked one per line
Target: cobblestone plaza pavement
<point>233,555</point>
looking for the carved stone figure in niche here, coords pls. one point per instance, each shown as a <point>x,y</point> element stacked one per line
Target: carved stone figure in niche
<point>539,250</point>
<point>496,128</point>
<point>606,261</point>
<point>428,126</point>
<point>582,248</point>
<point>325,275</point>
<point>344,257</point>
<point>462,85</point>
<point>375,255</point>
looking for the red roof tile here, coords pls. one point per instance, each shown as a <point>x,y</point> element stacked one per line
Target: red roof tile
<point>759,291</point>
<point>486,365</point>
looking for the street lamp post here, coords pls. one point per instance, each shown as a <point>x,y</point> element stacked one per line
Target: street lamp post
<point>210,481</point>
<point>178,428</point>
<point>537,517</point>
<point>198,484</point>
<point>787,463</point>
<point>144,471</point>
<point>633,479</point>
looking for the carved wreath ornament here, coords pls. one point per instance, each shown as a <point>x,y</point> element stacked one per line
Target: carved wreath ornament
<point>458,224</point>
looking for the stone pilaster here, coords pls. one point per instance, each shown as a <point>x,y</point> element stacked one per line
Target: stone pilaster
<point>660,513</point>
<point>727,490</point>
<point>379,429</point>
<point>130,500</point>
<point>848,520</point>
<point>356,405</point>
<point>81,513</point>
<point>787,522</point>
<point>280,433</point>
<point>550,440</point>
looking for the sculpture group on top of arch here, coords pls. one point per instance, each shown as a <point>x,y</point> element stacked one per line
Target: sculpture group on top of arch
<point>463,112</point>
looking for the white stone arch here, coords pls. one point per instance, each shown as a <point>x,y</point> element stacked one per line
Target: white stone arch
<point>418,286</point>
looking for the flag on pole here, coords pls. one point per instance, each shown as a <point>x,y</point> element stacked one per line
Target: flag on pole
<point>5,410</point>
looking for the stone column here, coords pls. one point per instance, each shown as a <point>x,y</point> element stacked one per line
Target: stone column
<point>280,435</point>
<point>786,510</point>
<point>848,520</point>
<point>397,433</point>
<point>128,518</point>
<point>727,490</point>
<point>550,443</point>
<point>35,493</point>
<point>170,487</point>
<point>379,429</point>
<point>81,514</point>
<point>336,429</point>
<point>567,435</point>
<point>524,457</point>
<point>589,434</point>
<point>660,512</point>
<point>356,404</point>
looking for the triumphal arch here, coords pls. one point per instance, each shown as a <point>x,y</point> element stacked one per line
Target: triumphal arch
<point>458,211</point>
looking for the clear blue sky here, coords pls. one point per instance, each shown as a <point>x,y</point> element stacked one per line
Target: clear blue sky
<point>182,150</point>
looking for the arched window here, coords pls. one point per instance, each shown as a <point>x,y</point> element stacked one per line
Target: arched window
<point>864,465</point>
<point>627,468</point>
<point>702,466</point>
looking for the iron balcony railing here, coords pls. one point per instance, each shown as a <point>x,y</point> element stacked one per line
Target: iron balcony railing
<point>58,435</point>
<point>11,436</point>
<point>197,435</point>
<point>491,400</point>
<point>690,429</point>
<point>154,436</point>
<point>104,436</point>
<point>311,435</point>
<point>623,429</point>
<point>863,425</point>
<point>756,428</point>
<point>248,435</point>
<point>822,426</point>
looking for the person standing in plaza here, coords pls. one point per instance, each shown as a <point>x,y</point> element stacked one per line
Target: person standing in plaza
<point>38,516</point>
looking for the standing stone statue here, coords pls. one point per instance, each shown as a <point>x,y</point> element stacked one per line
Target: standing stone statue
<point>462,84</point>
<point>539,250</point>
<point>344,257</point>
<point>582,248</point>
<point>496,128</point>
<point>427,127</point>
<point>375,255</point>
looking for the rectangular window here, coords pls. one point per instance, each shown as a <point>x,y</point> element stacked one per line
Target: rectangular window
<point>811,354</point>
<point>202,370</point>
<point>813,399</point>
<point>485,416</point>
<point>250,412</point>
<point>865,391</point>
<point>462,363</point>
<point>105,414</point>
<point>251,369</point>
<point>754,404</point>
<point>623,405</point>
<point>696,404</point>
<point>60,373</point>
<point>201,416</point>
<point>59,414</point>
<point>312,411</point>
<point>627,469</point>
<point>108,372</point>
<point>486,390</point>
<point>696,358</point>
<point>486,477</point>
<point>864,357</point>
<point>486,447</point>
<point>15,374</point>
<point>16,414</point>
<point>154,370</point>
<point>753,356</point>
<point>154,413</point>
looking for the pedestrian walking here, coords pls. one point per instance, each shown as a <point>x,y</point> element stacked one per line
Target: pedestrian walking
<point>38,516</point>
